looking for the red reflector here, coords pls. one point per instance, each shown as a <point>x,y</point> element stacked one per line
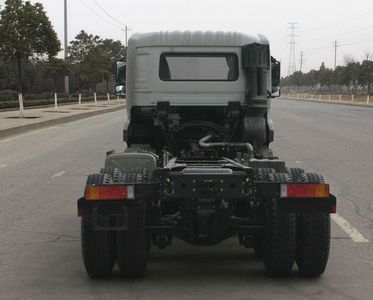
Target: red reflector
<point>80,212</point>
<point>333,209</point>
<point>309,190</point>
<point>109,192</point>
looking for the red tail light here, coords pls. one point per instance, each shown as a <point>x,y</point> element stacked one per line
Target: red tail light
<point>308,190</point>
<point>109,192</point>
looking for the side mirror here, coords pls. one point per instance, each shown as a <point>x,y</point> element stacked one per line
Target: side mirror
<point>276,75</point>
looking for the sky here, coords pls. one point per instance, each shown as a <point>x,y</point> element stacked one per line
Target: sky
<point>319,23</point>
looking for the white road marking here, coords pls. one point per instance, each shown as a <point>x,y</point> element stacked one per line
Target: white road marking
<point>2,166</point>
<point>58,174</point>
<point>355,235</point>
<point>16,137</point>
<point>348,115</point>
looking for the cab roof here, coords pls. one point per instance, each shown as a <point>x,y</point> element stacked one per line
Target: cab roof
<point>195,38</point>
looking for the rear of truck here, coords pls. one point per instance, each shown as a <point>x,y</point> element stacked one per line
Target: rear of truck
<point>198,164</point>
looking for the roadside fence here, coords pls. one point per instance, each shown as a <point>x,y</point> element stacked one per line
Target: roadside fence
<point>358,99</point>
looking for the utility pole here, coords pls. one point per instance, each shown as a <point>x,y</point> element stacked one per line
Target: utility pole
<point>125,35</point>
<point>301,60</point>
<point>292,63</point>
<point>126,29</point>
<point>66,79</point>
<point>335,53</point>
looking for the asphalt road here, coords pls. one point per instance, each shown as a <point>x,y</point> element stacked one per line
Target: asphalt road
<point>43,173</point>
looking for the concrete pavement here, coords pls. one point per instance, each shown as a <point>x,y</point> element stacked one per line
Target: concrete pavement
<point>43,173</point>
<point>34,118</point>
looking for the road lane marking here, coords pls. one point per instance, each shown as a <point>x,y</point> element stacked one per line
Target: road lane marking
<point>2,166</point>
<point>18,136</point>
<point>348,115</point>
<point>35,131</point>
<point>355,235</point>
<point>58,174</point>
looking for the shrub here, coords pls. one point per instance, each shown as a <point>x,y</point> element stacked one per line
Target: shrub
<point>8,95</point>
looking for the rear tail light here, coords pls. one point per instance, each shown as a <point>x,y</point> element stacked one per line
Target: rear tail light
<point>308,190</point>
<point>110,192</point>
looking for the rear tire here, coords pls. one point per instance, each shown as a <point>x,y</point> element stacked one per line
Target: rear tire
<point>313,243</point>
<point>97,249</point>
<point>258,246</point>
<point>133,245</point>
<point>280,241</point>
<point>313,238</point>
<point>280,235</point>
<point>97,246</point>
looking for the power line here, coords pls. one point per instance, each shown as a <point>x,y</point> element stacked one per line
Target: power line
<point>356,43</point>
<point>339,45</point>
<point>313,53</point>
<point>102,18</point>
<point>319,48</point>
<point>109,15</point>
<point>339,22</point>
<point>342,34</point>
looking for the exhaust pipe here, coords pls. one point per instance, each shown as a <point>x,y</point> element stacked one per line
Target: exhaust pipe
<point>203,143</point>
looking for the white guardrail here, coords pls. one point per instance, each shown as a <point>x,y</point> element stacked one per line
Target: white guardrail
<point>331,97</point>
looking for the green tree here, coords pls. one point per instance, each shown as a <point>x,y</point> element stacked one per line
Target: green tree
<point>116,51</point>
<point>26,32</point>
<point>340,77</point>
<point>312,79</point>
<point>79,49</point>
<point>297,79</point>
<point>366,74</point>
<point>95,68</point>
<point>8,76</point>
<point>55,68</point>
<point>325,76</point>
<point>81,46</point>
<point>94,59</point>
<point>353,70</point>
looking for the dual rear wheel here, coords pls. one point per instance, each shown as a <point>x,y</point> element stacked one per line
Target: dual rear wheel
<point>289,238</point>
<point>129,248</point>
<point>102,248</point>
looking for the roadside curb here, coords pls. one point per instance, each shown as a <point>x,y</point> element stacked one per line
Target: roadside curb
<point>29,127</point>
<point>328,102</point>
